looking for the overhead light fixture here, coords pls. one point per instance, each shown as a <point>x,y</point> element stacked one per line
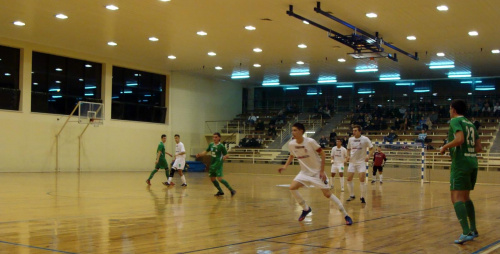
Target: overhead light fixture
<point>366,91</point>
<point>257,50</point>
<point>250,28</point>
<point>421,90</point>
<point>469,93</point>
<point>411,38</point>
<point>218,68</point>
<point>242,76</point>
<point>112,43</point>
<point>442,8</point>
<point>256,65</point>
<point>212,53</point>
<point>292,88</point>
<point>459,75</point>
<point>371,15</point>
<point>7,74</point>
<point>201,33</point>
<point>434,94</point>
<point>19,23</point>
<point>164,0</point>
<point>440,54</point>
<point>90,87</point>
<point>59,69</point>
<point>405,84</point>
<point>441,66</point>
<point>56,96</point>
<point>266,83</point>
<point>471,82</point>
<point>153,39</point>
<point>305,22</point>
<point>367,70</point>
<point>302,46</point>
<point>344,86</point>
<point>304,73</point>
<point>341,60</point>
<point>327,81</point>
<point>340,96</point>
<point>61,16</point>
<point>473,33</point>
<point>484,88</point>
<point>112,7</point>
<point>300,62</point>
<point>172,57</point>
<point>389,77</point>
<point>495,51</point>
<point>88,66</point>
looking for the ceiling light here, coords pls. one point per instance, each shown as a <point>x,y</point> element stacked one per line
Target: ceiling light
<point>327,81</point>
<point>164,0</point>
<point>201,33</point>
<point>35,84</point>
<point>473,33</point>
<point>305,22</point>
<point>471,82</point>
<point>440,54</point>
<point>469,93</point>
<point>250,28</point>
<point>7,74</point>
<point>442,8</point>
<point>371,15</point>
<point>171,57</point>
<point>59,69</point>
<point>302,46</point>
<point>112,7</point>
<point>341,60</point>
<point>367,70</point>
<point>484,88</point>
<point>344,86</point>
<point>459,75</point>
<point>405,84</point>
<point>240,76</point>
<point>88,66</point>
<point>495,51</point>
<point>292,88</point>
<point>211,53</point>
<point>19,23</point>
<point>270,83</point>
<point>421,90</point>
<point>153,39</point>
<point>112,43</point>
<point>441,66</point>
<point>300,62</point>
<point>390,77</point>
<point>218,68</point>
<point>256,65</point>
<point>304,73</point>
<point>411,38</point>
<point>80,79</point>
<point>61,16</point>
<point>257,50</point>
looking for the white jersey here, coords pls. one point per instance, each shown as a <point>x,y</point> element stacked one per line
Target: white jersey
<point>179,148</point>
<point>358,149</point>
<point>306,153</point>
<point>339,155</point>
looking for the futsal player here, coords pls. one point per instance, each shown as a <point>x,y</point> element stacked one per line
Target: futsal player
<point>379,160</point>
<point>339,156</point>
<point>357,158</point>
<point>160,162</point>
<point>179,163</point>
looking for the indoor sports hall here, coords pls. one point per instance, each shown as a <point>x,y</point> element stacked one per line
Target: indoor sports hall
<point>88,88</point>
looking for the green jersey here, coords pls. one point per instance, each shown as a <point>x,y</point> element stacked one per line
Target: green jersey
<point>217,152</point>
<point>463,156</point>
<point>161,148</point>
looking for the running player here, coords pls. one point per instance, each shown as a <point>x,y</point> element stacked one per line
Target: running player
<point>179,163</point>
<point>379,160</point>
<point>219,154</point>
<point>464,144</point>
<point>339,155</point>
<point>160,162</point>
<point>312,170</point>
<point>357,158</point>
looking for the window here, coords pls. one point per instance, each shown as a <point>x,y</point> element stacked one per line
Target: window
<point>58,83</point>
<point>138,96</point>
<point>9,78</point>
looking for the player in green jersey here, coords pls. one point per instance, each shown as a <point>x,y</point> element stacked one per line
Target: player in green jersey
<point>464,144</point>
<point>160,162</point>
<point>219,154</point>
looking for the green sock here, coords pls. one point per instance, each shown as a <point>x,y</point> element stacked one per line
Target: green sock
<point>166,173</point>
<point>471,213</point>
<point>216,184</point>
<point>226,184</point>
<point>152,174</point>
<point>461,212</point>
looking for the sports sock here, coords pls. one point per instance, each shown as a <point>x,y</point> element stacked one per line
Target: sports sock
<point>380,177</point>
<point>461,212</point>
<point>172,171</point>
<point>471,213</point>
<point>332,183</point>
<point>350,186</point>
<point>169,180</point>
<point>217,185</point>
<point>226,184</point>
<point>362,189</point>
<point>183,178</point>
<point>152,174</point>
<point>166,172</point>
<point>299,199</point>
<point>339,204</point>
<point>342,182</point>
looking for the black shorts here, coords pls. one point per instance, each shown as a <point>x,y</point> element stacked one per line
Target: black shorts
<point>379,168</point>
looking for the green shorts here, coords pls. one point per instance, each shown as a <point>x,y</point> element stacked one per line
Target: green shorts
<point>215,171</point>
<point>162,164</point>
<point>462,179</point>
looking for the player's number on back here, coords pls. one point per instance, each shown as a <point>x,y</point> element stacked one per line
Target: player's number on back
<point>470,136</point>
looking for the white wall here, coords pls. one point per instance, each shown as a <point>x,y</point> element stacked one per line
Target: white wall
<point>28,143</point>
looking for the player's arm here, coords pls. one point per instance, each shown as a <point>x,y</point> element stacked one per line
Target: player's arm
<point>322,169</point>
<point>201,154</point>
<point>477,146</point>
<point>459,140</point>
<point>290,159</point>
<point>332,156</point>
<point>370,152</point>
<point>158,154</point>
<point>168,154</point>
<point>224,152</point>
<point>348,155</point>
<point>385,159</point>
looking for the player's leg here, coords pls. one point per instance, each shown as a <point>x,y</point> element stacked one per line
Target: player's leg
<point>148,181</point>
<point>380,171</point>
<point>213,174</point>
<point>350,184</point>
<point>334,170</point>
<point>294,190</point>
<point>469,205</point>
<point>374,174</point>
<point>328,194</point>
<point>183,177</point>
<point>460,188</point>
<point>341,174</point>
<point>227,185</point>
<point>362,186</point>
<point>169,177</point>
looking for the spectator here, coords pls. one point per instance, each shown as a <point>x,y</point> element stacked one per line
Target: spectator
<point>333,137</point>
<point>345,141</point>
<point>383,124</point>
<point>422,137</point>
<point>486,111</point>
<point>476,123</point>
<point>271,131</point>
<point>260,125</point>
<point>475,110</point>
<point>397,124</point>
<point>496,109</point>
<point>391,137</point>
<point>434,117</point>
<point>323,142</point>
<point>428,122</point>
<point>252,119</point>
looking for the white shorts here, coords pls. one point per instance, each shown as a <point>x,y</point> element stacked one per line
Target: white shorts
<point>359,168</point>
<point>336,168</point>
<point>179,164</point>
<point>312,180</point>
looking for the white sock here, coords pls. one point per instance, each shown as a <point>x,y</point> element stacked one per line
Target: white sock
<point>169,180</point>
<point>299,199</point>
<point>350,186</point>
<point>362,189</point>
<point>339,204</point>
<point>342,182</point>
<point>375,178</point>
<point>331,183</point>
<point>183,178</point>
<point>380,176</point>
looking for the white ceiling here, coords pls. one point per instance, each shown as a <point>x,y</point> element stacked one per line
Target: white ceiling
<point>90,26</point>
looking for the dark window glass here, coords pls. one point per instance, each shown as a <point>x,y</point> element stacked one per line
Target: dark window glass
<point>9,78</point>
<point>59,83</point>
<point>138,96</point>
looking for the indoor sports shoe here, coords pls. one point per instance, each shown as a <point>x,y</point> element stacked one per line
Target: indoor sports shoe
<point>474,233</point>
<point>351,198</point>
<point>373,181</point>
<point>172,184</point>
<point>381,182</point>
<point>218,194</point>
<point>166,183</point>
<point>233,192</point>
<point>304,214</point>
<point>148,182</point>
<point>184,185</point>
<point>464,238</point>
<point>342,190</point>
<point>348,220</point>
<point>362,200</point>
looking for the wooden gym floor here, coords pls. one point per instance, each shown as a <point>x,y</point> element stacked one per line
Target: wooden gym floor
<point>116,212</point>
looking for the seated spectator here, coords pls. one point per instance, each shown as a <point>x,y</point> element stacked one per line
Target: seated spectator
<point>391,137</point>
<point>323,142</point>
<point>434,117</point>
<point>422,137</point>
<point>422,124</point>
<point>486,111</point>
<point>476,123</point>
<point>383,124</point>
<point>326,112</point>
<point>252,119</point>
<point>260,125</point>
<point>271,131</point>
<point>243,142</point>
<point>496,109</point>
<point>333,137</point>
<point>345,140</point>
<point>428,123</point>
<point>475,110</point>
<point>397,124</point>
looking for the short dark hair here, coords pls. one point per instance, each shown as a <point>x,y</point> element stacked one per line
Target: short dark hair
<point>177,135</point>
<point>163,135</point>
<point>460,106</point>
<point>299,126</point>
<point>339,139</point>
<point>356,126</point>
<point>216,133</point>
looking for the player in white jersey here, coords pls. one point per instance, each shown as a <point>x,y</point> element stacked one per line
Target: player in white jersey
<point>357,158</point>
<point>339,156</point>
<point>179,163</point>
<point>312,170</point>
